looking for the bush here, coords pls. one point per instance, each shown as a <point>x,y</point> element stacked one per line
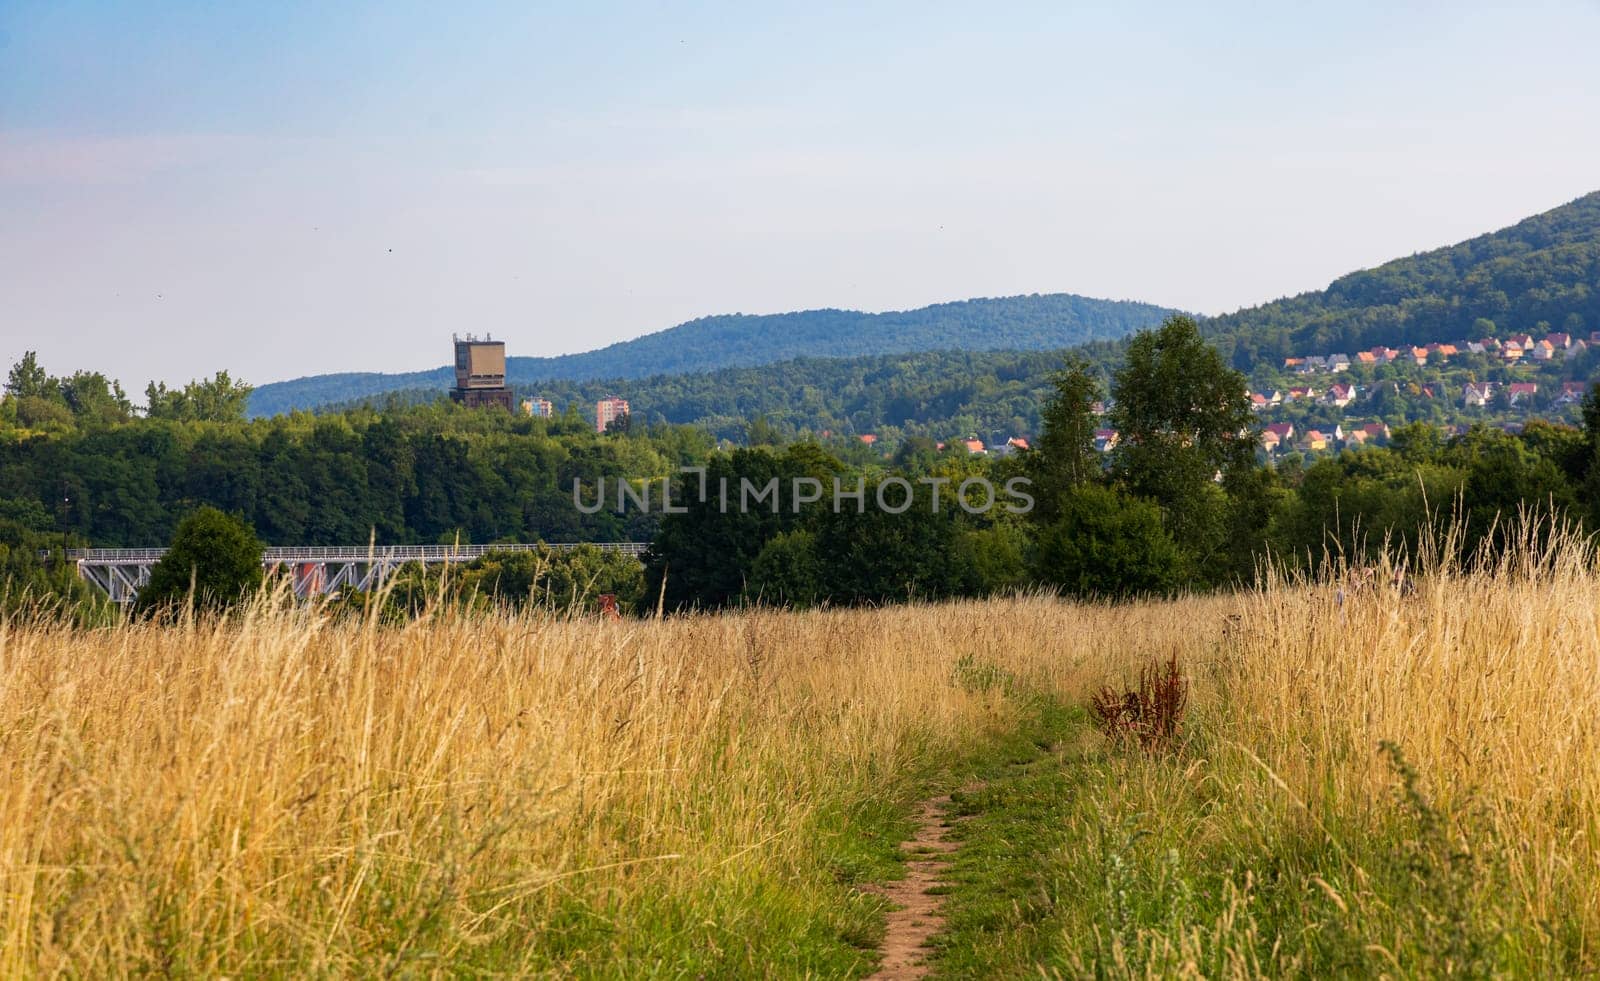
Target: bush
<point>787,573</point>
<point>214,558</point>
<point>996,557</point>
<point>555,580</point>
<point>1106,543</point>
<point>566,580</point>
<point>876,556</point>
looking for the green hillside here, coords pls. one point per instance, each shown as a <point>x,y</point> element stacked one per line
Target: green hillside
<point>1028,323</point>
<point>945,394</point>
<point>1539,275</point>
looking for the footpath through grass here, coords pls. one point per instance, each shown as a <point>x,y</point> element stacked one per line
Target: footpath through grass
<point>820,918</point>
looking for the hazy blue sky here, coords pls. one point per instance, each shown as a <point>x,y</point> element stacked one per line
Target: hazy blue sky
<point>285,189</point>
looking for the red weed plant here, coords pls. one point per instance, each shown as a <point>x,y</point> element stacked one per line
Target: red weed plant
<point>1148,716</point>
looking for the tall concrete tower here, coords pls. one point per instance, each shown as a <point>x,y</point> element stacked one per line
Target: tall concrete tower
<point>481,373</point>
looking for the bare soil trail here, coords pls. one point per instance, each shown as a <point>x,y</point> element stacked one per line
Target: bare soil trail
<point>918,918</point>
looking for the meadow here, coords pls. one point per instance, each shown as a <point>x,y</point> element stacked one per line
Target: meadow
<point>1368,780</point>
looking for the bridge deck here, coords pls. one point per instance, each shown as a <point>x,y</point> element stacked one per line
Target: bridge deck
<point>357,553</point>
<point>121,572</point>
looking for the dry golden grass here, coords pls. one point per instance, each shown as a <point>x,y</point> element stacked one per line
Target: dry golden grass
<point>278,793</point>
<point>1488,682</point>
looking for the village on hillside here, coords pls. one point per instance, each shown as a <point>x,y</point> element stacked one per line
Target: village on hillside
<point>1321,403</point>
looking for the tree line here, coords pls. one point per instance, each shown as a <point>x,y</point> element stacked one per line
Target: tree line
<point>1180,502</point>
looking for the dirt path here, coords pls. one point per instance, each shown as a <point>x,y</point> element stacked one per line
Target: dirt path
<point>905,943</point>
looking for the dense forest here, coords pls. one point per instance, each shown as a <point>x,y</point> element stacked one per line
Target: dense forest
<point>81,466</point>
<point>1181,501</point>
<point>1024,323</point>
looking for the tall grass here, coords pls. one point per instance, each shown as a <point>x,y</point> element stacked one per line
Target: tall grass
<point>280,793</point>
<point>1376,780</point>
<point>1368,780</point>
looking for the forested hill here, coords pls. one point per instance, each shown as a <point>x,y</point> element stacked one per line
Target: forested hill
<point>1026,323</point>
<point>1541,274</point>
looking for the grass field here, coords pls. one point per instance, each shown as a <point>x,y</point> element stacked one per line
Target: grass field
<point>282,794</point>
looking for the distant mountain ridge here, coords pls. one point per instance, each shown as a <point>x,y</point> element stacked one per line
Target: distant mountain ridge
<point>1026,323</point>
<point>1542,273</point>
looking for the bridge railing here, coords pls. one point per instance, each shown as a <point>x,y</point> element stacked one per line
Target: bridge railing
<point>351,553</point>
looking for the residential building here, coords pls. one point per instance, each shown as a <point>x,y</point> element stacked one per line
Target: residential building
<point>609,410</point>
<point>1105,440</point>
<point>1520,391</point>
<point>538,408</point>
<point>1375,431</point>
<point>1476,395</point>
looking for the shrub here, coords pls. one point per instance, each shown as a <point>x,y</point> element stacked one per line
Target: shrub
<point>786,572</point>
<point>566,580</point>
<point>1106,543</point>
<point>214,558</point>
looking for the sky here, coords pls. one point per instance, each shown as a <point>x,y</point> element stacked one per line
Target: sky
<point>289,189</point>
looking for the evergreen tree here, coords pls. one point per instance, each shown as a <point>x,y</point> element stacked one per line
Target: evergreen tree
<point>1064,456</point>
